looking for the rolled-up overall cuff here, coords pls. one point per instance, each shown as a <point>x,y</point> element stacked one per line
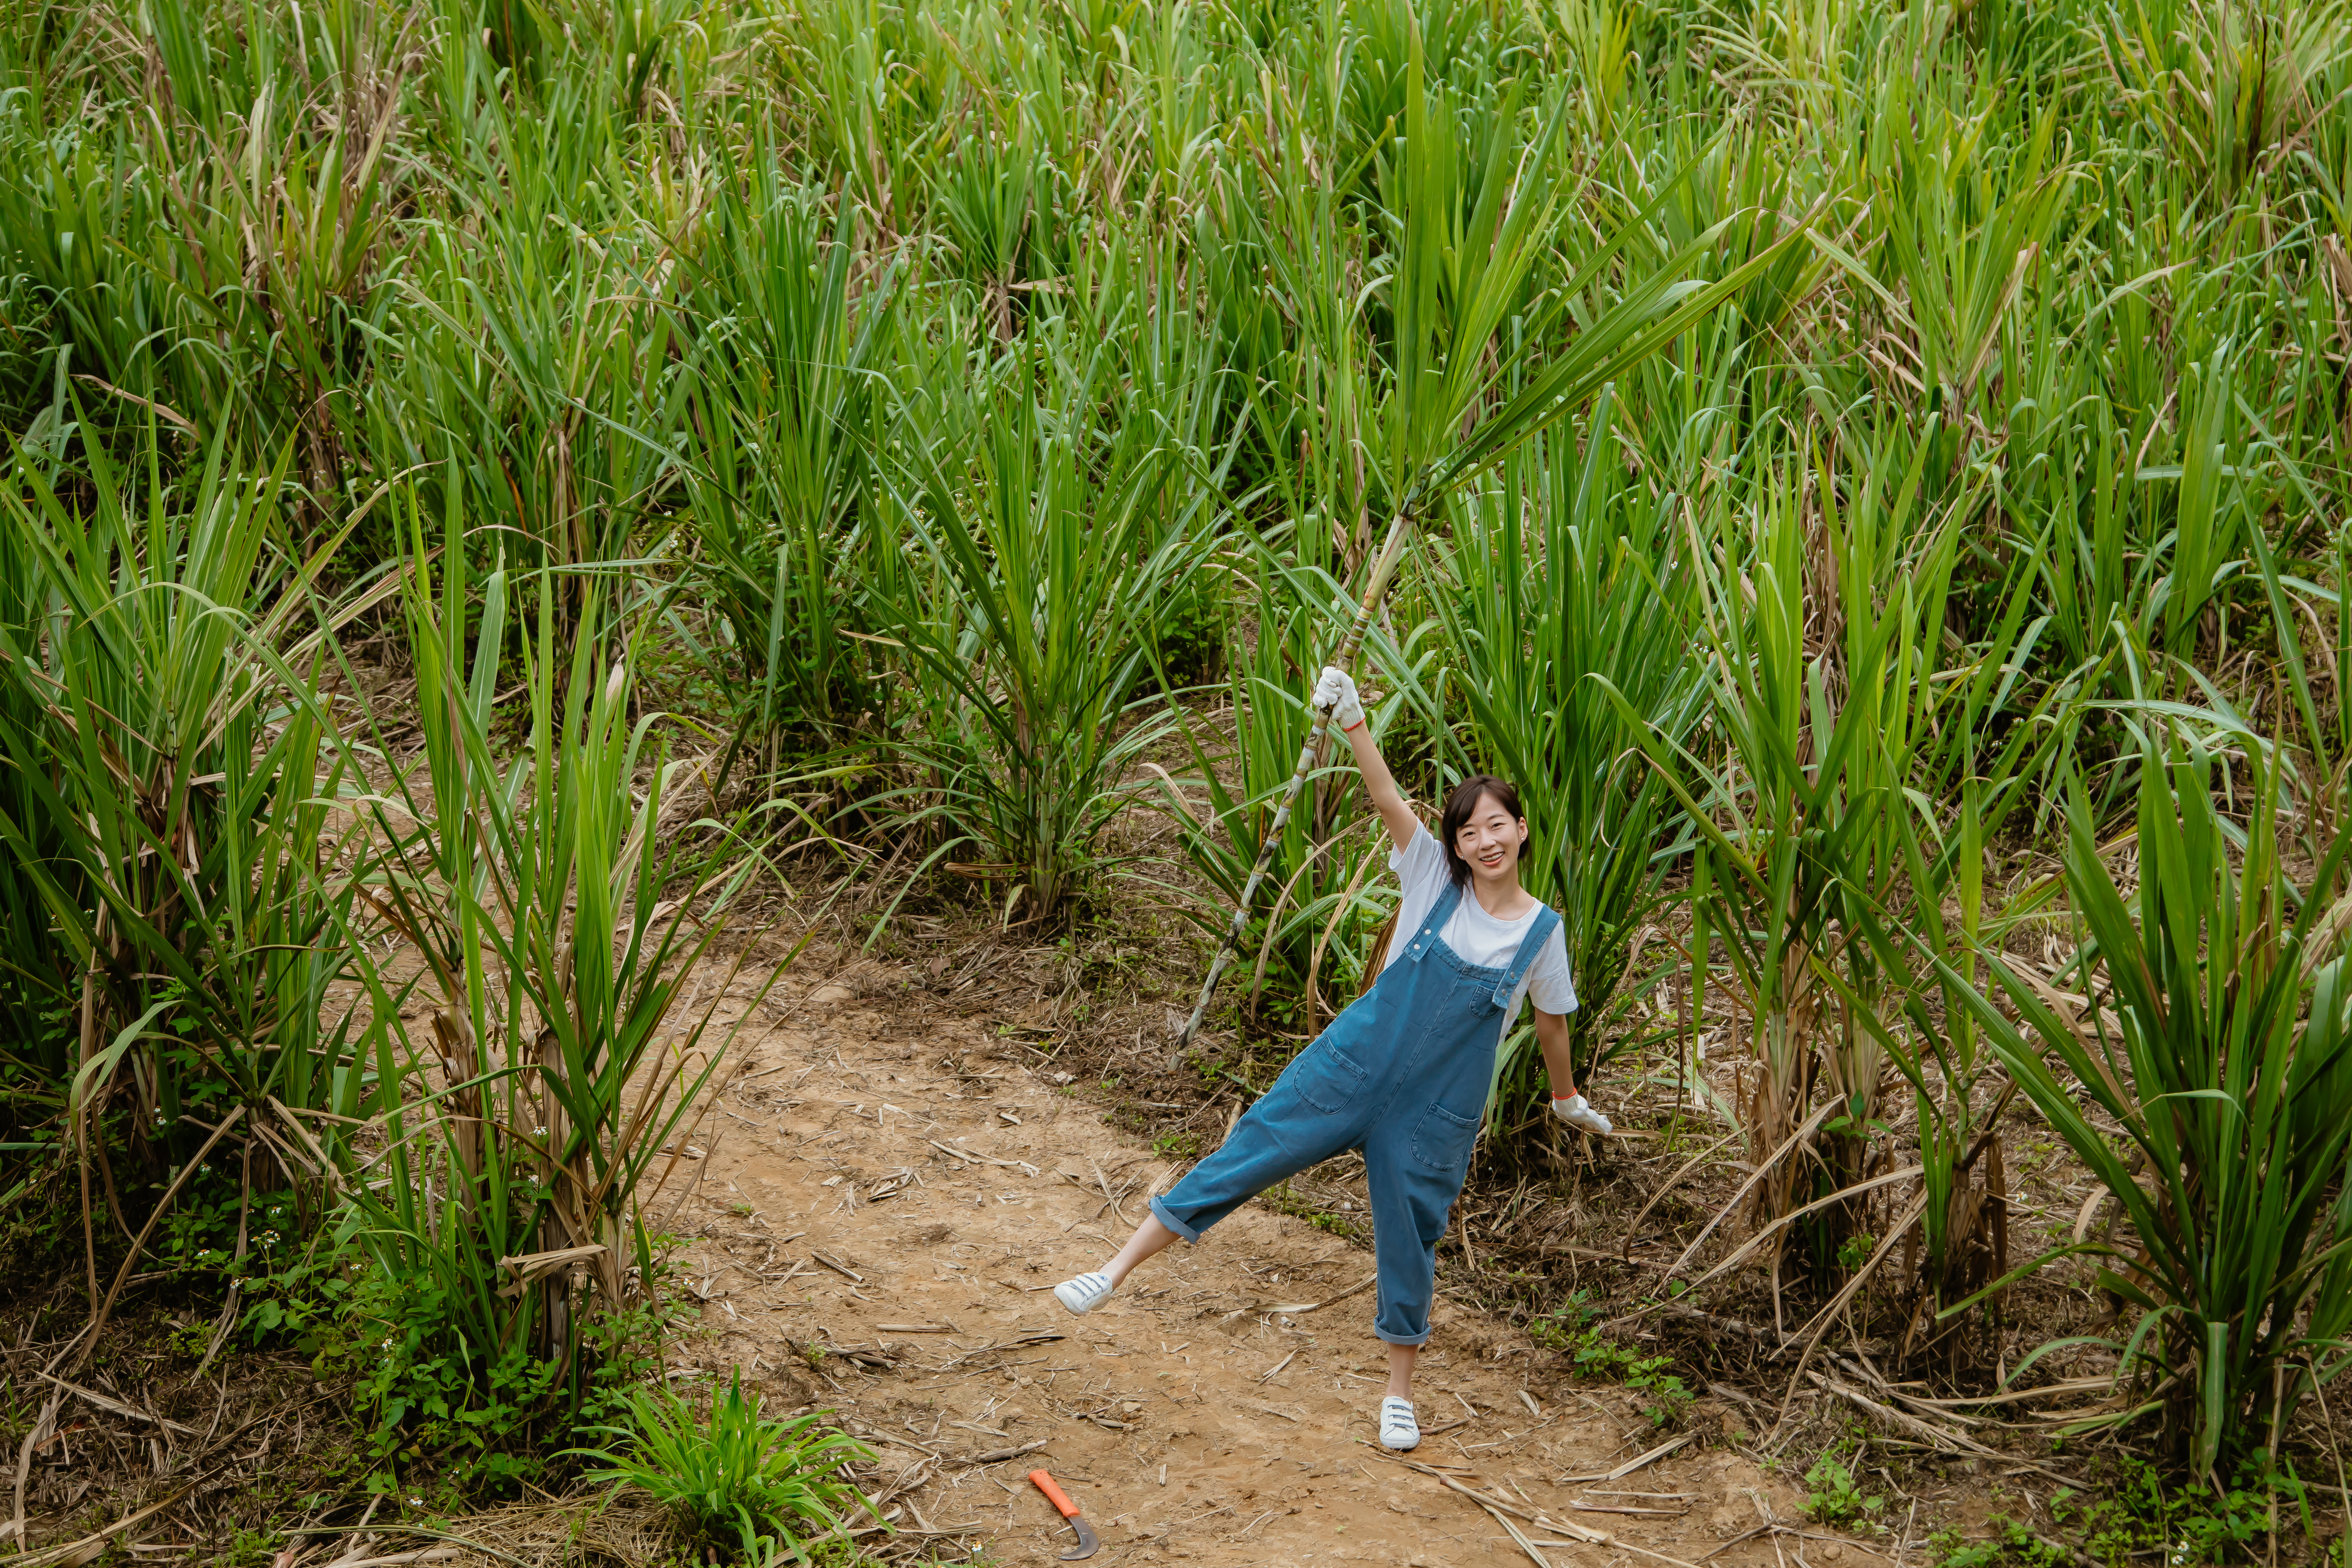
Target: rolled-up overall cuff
<point>1167,1216</point>
<point>1397,1323</point>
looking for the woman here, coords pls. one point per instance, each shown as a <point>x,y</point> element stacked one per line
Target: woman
<point>1404,1073</point>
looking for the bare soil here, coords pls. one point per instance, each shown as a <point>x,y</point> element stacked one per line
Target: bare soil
<point>885,1205</point>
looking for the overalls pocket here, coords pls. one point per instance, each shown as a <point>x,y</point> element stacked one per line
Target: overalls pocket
<point>1329,1079</point>
<point>1441,1140</point>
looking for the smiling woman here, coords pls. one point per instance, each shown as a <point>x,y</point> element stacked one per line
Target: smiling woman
<point>1481,845</point>
<point>1481,822</point>
<point>1403,1074</point>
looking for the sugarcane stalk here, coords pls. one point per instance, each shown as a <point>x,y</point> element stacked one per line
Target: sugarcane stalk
<point>1383,567</point>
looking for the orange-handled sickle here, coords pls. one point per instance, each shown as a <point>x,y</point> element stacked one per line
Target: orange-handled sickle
<point>1088,1542</point>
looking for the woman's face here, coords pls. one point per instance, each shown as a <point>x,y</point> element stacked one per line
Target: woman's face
<point>1491,840</point>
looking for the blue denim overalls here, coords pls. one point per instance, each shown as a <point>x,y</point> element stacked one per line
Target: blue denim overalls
<point>1402,1075</point>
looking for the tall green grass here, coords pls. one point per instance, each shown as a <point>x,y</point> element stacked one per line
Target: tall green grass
<point>787,415</point>
<point>1565,587</point>
<point>1053,520</point>
<point>2217,1044</point>
<point>558,908</point>
<point>173,826</point>
<point>1308,953</point>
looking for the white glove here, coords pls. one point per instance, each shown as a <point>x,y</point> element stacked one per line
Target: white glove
<point>1574,1111</point>
<point>1336,690</point>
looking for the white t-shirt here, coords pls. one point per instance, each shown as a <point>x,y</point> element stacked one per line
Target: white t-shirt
<point>1475,936</point>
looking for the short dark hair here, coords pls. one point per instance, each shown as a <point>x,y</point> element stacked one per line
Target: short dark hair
<point>1460,802</point>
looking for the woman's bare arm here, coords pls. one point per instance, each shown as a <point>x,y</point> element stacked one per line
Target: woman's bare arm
<point>1551,1038</point>
<point>1382,786</point>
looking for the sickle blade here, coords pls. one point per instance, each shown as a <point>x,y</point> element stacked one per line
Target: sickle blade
<point>1088,1542</point>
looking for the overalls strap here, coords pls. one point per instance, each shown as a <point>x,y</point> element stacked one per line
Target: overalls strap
<point>1439,913</point>
<point>1530,946</point>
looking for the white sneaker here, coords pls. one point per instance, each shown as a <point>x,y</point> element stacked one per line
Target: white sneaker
<point>1581,1116</point>
<point>1399,1430</point>
<point>1084,1293</point>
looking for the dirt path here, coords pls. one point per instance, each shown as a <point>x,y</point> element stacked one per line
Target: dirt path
<point>1191,1418</point>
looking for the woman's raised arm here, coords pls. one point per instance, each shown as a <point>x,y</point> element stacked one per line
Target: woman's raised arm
<point>1338,691</point>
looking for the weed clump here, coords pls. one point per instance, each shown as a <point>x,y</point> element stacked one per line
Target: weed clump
<point>1572,1329</point>
<point>1831,1497</point>
<point>2143,1516</point>
<point>733,1478</point>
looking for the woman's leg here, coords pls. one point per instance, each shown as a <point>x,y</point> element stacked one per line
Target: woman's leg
<point>1410,1206</point>
<point>1285,1133</point>
<point>1399,1428</point>
<point>1089,1290</point>
<point>1149,1238</point>
<point>1400,1360</point>
<point>1411,1203</point>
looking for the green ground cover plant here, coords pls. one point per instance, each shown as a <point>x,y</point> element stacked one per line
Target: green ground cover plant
<point>1596,1353</point>
<point>772,1486</point>
<point>2143,1515</point>
<point>1833,1497</point>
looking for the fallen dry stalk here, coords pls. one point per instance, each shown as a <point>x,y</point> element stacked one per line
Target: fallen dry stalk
<point>116,1406</point>
<point>69,1550</point>
<point>1300,1308</point>
<point>981,1159</point>
<point>1927,1432</point>
<point>1635,1463</point>
<point>1580,1532</point>
<point>1499,1517</point>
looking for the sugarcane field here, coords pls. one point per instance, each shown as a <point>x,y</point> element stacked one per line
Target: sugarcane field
<point>1238,783</point>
